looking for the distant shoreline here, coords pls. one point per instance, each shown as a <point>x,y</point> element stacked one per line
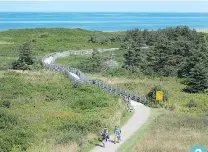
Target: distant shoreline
<point>110,31</point>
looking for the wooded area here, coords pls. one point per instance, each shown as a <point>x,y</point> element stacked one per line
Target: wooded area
<point>178,51</point>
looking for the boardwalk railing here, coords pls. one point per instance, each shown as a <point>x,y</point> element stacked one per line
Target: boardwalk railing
<point>49,62</point>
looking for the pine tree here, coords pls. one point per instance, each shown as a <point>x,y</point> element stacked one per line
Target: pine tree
<point>95,62</point>
<point>162,53</point>
<point>26,57</point>
<point>135,60</point>
<point>197,80</point>
<point>197,76</point>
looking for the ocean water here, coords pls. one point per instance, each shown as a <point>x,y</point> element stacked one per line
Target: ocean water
<point>102,21</point>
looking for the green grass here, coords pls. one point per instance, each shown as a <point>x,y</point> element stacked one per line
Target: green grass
<point>77,60</point>
<point>49,109</point>
<point>168,131</point>
<point>174,131</point>
<point>57,39</point>
<point>131,144</point>
<point>158,127</point>
<point>143,84</point>
<point>176,96</point>
<point>203,30</point>
<point>93,143</point>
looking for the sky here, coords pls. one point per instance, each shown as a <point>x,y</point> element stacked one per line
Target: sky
<point>103,6</point>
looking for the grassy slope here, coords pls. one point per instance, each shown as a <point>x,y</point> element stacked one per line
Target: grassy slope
<point>44,103</point>
<point>77,60</point>
<point>58,39</point>
<point>51,110</point>
<point>172,131</point>
<point>205,31</point>
<point>131,144</point>
<point>176,96</point>
<point>143,84</point>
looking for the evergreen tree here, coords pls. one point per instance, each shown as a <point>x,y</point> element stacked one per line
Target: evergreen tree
<point>26,57</point>
<point>197,80</point>
<point>95,62</point>
<point>162,53</point>
<point>135,60</point>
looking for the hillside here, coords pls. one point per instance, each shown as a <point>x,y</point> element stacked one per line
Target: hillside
<point>179,128</point>
<point>49,40</point>
<point>42,110</point>
<point>46,107</point>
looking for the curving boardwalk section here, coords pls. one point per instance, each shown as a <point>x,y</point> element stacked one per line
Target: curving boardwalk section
<point>141,113</point>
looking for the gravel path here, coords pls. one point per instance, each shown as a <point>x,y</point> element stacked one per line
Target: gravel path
<point>141,114</point>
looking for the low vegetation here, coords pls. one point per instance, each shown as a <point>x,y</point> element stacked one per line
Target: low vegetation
<point>184,124</point>
<point>173,131</point>
<point>44,106</point>
<point>26,58</point>
<point>42,111</point>
<point>48,40</point>
<point>177,99</point>
<point>86,62</point>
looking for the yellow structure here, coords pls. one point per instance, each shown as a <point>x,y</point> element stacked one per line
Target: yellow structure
<point>159,95</point>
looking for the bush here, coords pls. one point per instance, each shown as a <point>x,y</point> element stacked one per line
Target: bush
<point>13,132</point>
<point>151,96</point>
<point>5,103</point>
<point>116,72</point>
<point>43,35</point>
<point>192,104</point>
<point>26,58</point>
<point>170,107</point>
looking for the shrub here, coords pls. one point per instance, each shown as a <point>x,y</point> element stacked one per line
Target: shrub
<point>13,132</point>
<point>43,35</point>
<point>115,72</point>
<point>25,57</point>
<point>5,103</point>
<point>151,96</point>
<point>192,104</point>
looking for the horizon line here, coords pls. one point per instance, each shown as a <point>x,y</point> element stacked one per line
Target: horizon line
<point>96,12</point>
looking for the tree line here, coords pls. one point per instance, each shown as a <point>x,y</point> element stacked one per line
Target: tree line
<point>179,51</point>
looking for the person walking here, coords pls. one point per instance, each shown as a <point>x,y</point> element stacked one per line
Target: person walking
<point>105,136</point>
<point>117,133</point>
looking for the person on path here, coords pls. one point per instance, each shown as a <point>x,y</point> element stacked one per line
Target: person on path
<point>117,133</point>
<point>105,136</point>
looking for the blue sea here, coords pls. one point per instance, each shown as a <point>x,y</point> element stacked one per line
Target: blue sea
<point>102,21</point>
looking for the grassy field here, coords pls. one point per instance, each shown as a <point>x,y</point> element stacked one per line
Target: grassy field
<point>173,131</point>
<point>78,60</point>
<point>40,110</point>
<point>47,108</point>
<point>143,84</point>
<point>131,144</point>
<point>46,40</point>
<point>177,97</point>
<point>203,30</point>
